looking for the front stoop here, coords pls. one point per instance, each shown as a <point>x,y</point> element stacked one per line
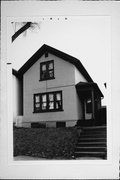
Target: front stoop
<point>92,143</point>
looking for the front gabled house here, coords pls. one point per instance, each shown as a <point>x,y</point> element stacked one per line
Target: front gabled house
<point>55,90</point>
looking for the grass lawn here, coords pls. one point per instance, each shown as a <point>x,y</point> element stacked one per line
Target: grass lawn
<point>50,143</point>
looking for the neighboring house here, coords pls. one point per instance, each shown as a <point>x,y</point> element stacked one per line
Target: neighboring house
<point>55,90</point>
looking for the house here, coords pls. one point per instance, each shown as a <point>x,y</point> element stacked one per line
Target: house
<point>55,90</point>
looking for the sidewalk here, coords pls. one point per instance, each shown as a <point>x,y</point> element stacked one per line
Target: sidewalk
<point>29,158</point>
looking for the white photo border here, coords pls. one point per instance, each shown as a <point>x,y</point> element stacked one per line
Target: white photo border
<point>47,169</point>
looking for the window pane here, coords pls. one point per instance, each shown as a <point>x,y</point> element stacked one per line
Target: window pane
<point>58,96</point>
<point>50,97</point>
<point>37,105</point>
<point>44,74</point>
<point>88,100</point>
<point>51,105</point>
<point>37,99</point>
<point>44,105</point>
<point>44,98</point>
<point>57,107</point>
<point>50,73</point>
<point>50,66</point>
<point>58,104</point>
<point>44,67</point>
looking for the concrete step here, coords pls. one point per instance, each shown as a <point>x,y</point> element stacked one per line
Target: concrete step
<point>91,144</point>
<point>90,154</point>
<point>93,132</point>
<point>92,135</point>
<point>94,127</point>
<point>91,139</point>
<point>90,149</point>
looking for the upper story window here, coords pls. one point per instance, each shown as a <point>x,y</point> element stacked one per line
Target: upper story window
<point>46,102</point>
<point>47,70</point>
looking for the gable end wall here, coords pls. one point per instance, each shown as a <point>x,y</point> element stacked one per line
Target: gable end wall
<point>65,80</point>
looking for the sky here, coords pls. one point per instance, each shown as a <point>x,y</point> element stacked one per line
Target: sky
<point>87,38</point>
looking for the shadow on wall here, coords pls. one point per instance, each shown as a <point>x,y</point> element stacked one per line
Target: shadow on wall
<point>102,115</point>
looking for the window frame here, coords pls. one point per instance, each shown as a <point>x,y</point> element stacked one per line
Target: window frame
<point>47,102</point>
<point>47,70</point>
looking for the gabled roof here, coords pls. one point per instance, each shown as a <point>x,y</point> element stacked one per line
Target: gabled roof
<point>60,54</point>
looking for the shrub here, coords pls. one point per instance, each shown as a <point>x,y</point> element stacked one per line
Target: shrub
<point>50,143</point>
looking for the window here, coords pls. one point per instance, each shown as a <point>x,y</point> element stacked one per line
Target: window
<point>47,102</point>
<point>47,70</point>
<point>38,125</point>
<point>88,106</point>
<point>60,124</point>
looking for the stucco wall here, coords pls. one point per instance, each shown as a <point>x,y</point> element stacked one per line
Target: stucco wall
<point>64,74</point>
<point>79,77</point>
<point>79,107</point>
<point>64,80</point>
<point>69,107</point>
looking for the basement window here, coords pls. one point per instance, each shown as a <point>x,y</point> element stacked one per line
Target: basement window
<point>38,125</point>
<point>48,102</point>
<point>47,70</point>
<point>60,124</point>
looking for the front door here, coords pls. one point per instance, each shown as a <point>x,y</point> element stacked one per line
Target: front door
<point>88,109</point>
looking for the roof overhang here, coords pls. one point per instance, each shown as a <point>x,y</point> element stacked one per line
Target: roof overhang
<point>89,85</point>
<point>15,73</point>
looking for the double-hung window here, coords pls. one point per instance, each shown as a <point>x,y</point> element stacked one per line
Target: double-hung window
<point>47,70</point>
<point>48,102</point>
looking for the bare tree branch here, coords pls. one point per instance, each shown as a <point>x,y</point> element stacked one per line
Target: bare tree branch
<point>21,30</point>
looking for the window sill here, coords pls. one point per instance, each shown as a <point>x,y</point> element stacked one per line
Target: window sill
<point>48,111</point>
<point>47,79</point>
